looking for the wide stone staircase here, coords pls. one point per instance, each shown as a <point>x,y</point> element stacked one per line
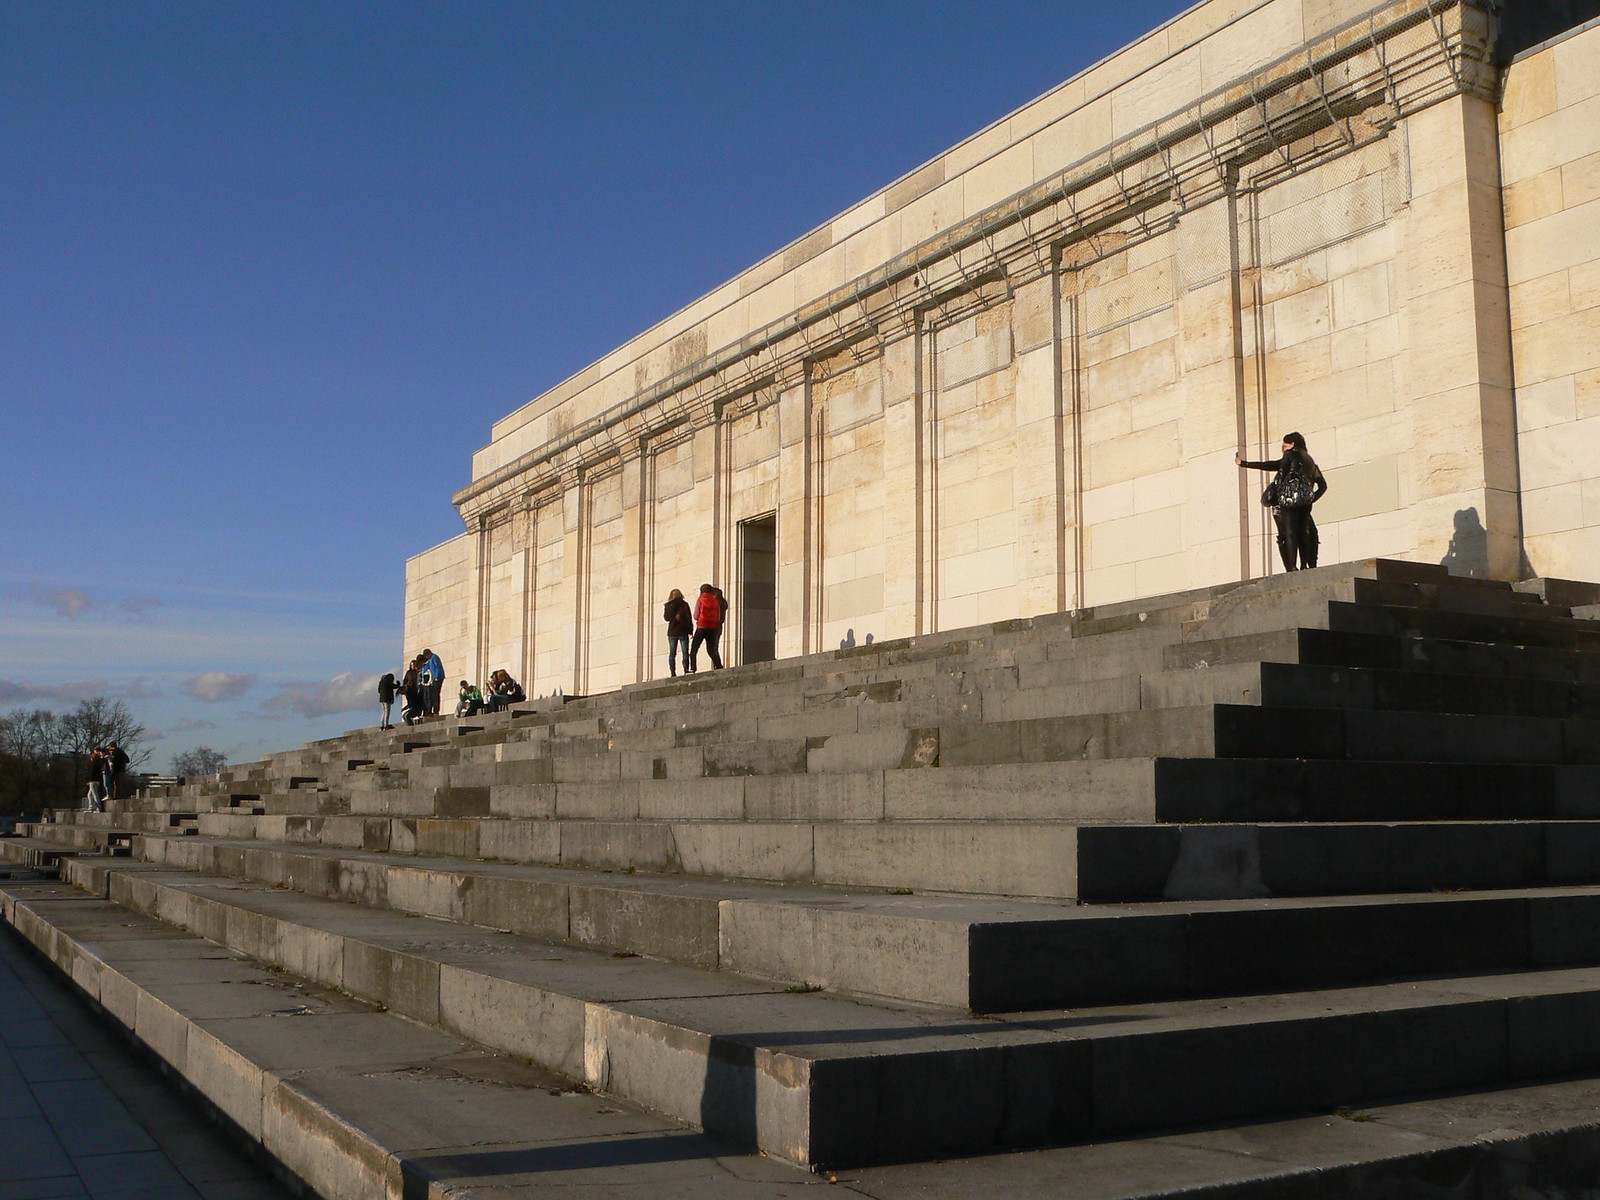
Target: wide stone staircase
<point>1290,846</point>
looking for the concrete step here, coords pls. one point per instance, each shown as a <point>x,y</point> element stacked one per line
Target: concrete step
<point>350,1101</point>
<point>366,1103</point>
<point>1243,731</point>
<point>1527,629</point>
<point>1093,790</point>
<point>1570,593</point>
<point>1115,862</point>
<point>1395,652</point>
<point>1521,725</point>
<point>820,1080</point>
<point>1313,686</point>
<point>985,956</point>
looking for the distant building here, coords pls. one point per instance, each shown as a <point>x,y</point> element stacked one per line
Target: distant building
<point>1013,381</point>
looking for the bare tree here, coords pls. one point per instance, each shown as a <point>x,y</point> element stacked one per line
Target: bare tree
<point>98,721</point>
<point>32,734</point>
<point>202,760</point>
<point>43,755</point>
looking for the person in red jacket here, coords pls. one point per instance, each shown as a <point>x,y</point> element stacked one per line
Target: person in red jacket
<point>709,610</point>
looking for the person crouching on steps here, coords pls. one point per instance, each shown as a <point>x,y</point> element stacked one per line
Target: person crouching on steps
<point>1297,485</point>
<point>504,691</point>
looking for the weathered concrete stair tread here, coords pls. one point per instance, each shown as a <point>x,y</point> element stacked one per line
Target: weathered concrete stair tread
<point>1314,686</point>
<point>984,956</point>
<point>822,1080</point>
<point>354,1101</point>
<point>1064,861</point>
<point>419,1109</point>
<point>1532,629</point>
<point>1112,862</point>
<point>1081,790</point>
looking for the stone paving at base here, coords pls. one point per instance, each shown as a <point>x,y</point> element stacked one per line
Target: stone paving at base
<point>82,1115</point>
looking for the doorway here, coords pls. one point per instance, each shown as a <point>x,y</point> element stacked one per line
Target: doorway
<point>758,589</point>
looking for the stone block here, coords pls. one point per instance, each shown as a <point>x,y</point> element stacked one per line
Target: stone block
<point>330,1155</point>
<point>680,928</point>
<point>405,983</point>
<point>513,1017</point>
<point>532,907</point>
<point>162,1028</point>
<point>769,756</point>
<point>1530,94</point>
<point>692,799</point>
<point>857,796</point>
<point>521,800</point>
<point>455,838</point>
<point>848,951</point>
<point>991,858</point>
<point>618,845</point>
<point>427,893</point>
<point>775,851</point>
<point>612,801</point>
<point>521,772</point>
<point>226,1078</point>
<point>1541,248</point>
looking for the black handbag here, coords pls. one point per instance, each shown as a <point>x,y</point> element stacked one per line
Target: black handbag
<point>1294,490</point>
<point>1269,494</point>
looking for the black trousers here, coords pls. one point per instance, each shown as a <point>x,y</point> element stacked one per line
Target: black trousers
<point>708,637</point>
<point>1297,538</point>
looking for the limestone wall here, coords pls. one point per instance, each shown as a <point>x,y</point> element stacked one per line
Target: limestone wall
<point>1013,381</point>
<point>1550,136</point>
<point>441,612</point>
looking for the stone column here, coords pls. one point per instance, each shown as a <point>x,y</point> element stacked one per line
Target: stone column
<point>1039,530</point>
<point>793,521</point>
<point>1464,456</point>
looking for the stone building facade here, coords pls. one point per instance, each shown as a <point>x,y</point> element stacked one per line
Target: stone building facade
<point>1013,381</point>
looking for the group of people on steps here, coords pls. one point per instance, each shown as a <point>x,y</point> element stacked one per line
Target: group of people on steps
<point>107,766</point>
<point>690,629</point>
<point>421,686</point>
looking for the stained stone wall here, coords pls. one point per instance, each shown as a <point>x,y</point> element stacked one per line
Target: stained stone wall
<point>1550,155</point>
<point>1013,381</point>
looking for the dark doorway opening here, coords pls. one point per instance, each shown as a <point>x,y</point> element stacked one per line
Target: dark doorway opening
<point>758,589</point>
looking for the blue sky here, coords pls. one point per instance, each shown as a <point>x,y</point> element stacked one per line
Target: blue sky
<point>269,271</point>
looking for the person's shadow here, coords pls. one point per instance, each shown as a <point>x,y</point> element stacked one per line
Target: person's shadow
<point>1468,553</point>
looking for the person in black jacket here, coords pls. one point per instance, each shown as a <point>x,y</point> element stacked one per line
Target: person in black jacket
<point>412,690</point>
<point>680,624</point>
<point>387,688</point>
<point>117,759</point>
<point>1297,485</point>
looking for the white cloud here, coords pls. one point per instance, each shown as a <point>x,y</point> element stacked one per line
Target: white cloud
<point>343,693</point>
<point>216,686</point>
<point>69,602</point>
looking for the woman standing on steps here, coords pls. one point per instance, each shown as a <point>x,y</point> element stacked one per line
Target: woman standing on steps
<point>680,624</point>
<point>1297,485</point>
